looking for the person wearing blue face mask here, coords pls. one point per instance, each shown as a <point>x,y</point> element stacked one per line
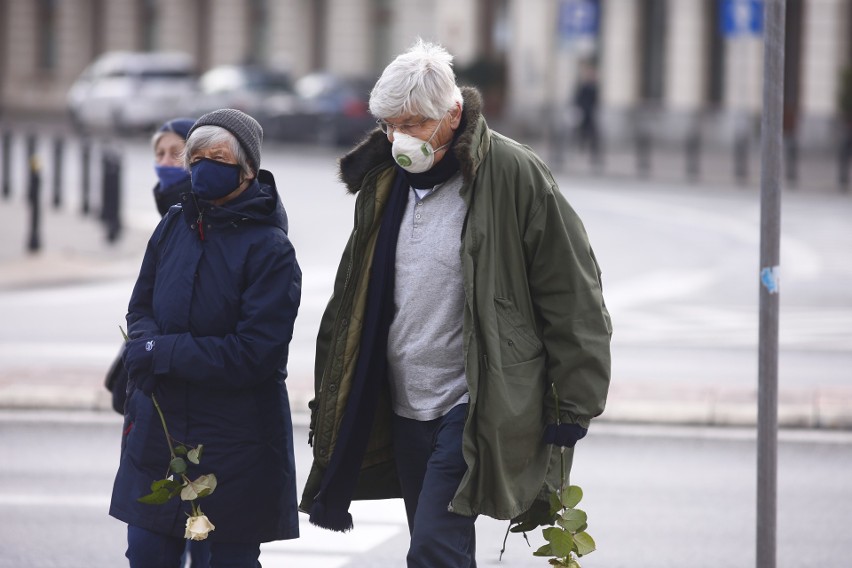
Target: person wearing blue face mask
<point>173,180</point>
<point>173,177</point>
<point>209,324</point>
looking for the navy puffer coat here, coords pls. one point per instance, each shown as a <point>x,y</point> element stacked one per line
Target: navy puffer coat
<point>218,291</point>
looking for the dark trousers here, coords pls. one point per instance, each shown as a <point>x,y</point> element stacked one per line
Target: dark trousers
<point>430,466</point>
<point>146,549</point>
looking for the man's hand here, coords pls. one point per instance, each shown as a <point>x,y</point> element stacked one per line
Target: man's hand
<point>563,435</point>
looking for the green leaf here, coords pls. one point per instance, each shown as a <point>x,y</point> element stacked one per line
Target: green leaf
<point>585,543</point>
<point>194,454</point>
<point>571,496</point>
<point>561,542</point>
<point>201,487</point>
<point>180,450</point>
<point>157,497</point>
<point>544,551</point>
<point>178,465</point>
<point>124,335</point>
<point>572,520</point>
<point>555,503</point>
<point>169,484</point>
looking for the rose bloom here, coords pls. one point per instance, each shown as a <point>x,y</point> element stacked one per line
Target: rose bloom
<point>198,527</point>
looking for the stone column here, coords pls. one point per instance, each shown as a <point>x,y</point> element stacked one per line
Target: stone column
<point>531,62</point>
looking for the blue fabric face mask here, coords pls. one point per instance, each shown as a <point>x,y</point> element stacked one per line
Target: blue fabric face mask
<point>170,175</point>
<point>213,180</point>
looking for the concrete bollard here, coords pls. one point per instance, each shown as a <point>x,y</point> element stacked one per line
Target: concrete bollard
<point>6,164</point>
<point>85,174</point>
<point>741,158</point>
<point>791,159</point>
<point>643,152</point>
<point>111,194</point>
<point>34,195</point>
<point>693,155</point>
<point>845,160</point>
<point>58,153</point>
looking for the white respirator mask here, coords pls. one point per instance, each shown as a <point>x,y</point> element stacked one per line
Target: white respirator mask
<point>413,154</point>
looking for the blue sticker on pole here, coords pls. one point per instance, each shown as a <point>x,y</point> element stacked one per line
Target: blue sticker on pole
<point>741,17</point>
<point>578,19</point>
<point>769,277</point>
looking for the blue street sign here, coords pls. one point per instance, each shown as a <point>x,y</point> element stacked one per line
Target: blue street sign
<point>578,19</point>
<point>741,17</point>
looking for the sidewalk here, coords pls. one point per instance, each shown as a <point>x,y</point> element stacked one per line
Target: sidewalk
<point>75,251</point>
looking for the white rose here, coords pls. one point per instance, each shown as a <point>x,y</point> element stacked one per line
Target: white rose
<point>198,527</point>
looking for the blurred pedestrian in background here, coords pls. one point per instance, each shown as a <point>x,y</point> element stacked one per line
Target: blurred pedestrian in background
<point>586,102</point>
<point>209,323</point>
<point>845,104</point>
<point>467,292</point>
<point>172,181</point>
<point>173,178</point>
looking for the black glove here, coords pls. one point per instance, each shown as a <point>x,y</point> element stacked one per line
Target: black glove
<point>139,362</point>
<point>564,435</point>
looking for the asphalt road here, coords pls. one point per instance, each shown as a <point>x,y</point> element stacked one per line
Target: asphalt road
<point>662,497</point>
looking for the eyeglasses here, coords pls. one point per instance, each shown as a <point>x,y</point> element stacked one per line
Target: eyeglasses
<point>404,128</point>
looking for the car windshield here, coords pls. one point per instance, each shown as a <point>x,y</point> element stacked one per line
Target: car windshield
<point>165,74</point>
<point>232,78</point>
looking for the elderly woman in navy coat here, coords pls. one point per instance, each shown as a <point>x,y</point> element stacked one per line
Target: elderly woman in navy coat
<point>209,321</point>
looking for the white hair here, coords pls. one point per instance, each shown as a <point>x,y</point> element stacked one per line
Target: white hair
<point>210,135</point>
<point>418,82</point>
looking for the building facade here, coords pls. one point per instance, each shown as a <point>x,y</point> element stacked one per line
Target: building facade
<point>669,65</point>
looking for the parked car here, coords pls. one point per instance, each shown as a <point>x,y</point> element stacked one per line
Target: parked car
<point>262,92</point>
<point>332,109</point>
<point>122,91</point>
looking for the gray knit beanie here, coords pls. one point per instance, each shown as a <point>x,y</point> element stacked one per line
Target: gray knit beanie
<point>245,129</point>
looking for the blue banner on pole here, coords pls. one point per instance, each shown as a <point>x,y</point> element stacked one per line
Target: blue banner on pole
<point>741,17</point>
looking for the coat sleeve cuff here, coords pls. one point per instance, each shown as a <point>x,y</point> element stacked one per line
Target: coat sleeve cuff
<point>163,354</point>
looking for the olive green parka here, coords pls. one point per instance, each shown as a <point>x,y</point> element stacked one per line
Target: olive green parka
<point>534,319</point>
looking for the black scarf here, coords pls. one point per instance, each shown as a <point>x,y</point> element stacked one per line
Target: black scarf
<point>440,172</point>
<point>331,505</point>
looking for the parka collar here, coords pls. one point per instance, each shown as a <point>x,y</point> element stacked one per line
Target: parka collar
<point>375,150</point>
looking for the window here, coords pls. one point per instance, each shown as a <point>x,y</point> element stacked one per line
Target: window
<point>46,35</point>
<point>715,84</point>
<point>147,21</point>
<point>258,31</point>
<point>653,36</point>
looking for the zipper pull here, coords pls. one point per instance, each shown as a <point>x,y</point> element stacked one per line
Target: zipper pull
<point>200,222</point>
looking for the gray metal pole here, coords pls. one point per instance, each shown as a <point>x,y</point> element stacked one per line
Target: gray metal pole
<point>770,233</point>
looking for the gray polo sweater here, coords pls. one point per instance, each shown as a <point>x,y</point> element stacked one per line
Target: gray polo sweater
<point>425,347</point>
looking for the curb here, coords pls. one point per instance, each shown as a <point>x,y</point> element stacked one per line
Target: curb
<point>829,409</point>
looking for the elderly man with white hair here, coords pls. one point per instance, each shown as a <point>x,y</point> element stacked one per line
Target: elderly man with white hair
<point>467,294</point>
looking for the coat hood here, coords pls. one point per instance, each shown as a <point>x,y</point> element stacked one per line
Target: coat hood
<point>259,204</point>
<point>375,150</point>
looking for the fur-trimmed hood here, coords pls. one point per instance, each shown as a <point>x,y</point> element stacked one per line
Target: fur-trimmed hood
<point>375,149</point>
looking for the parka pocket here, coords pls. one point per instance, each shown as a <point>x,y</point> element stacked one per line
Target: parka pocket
<point>515,420</point>
<point>518,342</point>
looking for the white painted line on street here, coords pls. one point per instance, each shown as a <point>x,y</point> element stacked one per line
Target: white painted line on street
<point>656,286</point>
<point>810,436</point>
<point>275,559</point>
<point>66,352</point>
<point>55,500</point>
<point>314,539</point>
